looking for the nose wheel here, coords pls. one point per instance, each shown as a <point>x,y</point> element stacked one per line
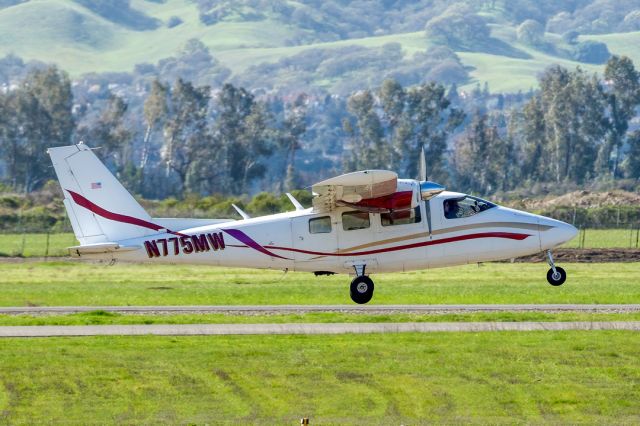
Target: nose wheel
<point>556,275</point>
<point>361,289</point>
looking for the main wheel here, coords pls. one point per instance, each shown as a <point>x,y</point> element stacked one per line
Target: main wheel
<point>557,278</point>
<point>361,289</point>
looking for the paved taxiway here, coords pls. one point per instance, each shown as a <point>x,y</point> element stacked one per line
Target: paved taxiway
<point>309,328</point>
<point>301,309</point>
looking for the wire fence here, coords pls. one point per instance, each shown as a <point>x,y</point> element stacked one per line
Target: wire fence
<point>55,244</point>
<point>594,238</point>
<point>36,244</point>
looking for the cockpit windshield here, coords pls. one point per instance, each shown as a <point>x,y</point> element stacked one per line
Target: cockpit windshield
<point>457,208</point>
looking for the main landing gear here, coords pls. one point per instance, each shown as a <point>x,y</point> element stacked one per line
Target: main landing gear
<point>556,275</point>
<point>361,290</point>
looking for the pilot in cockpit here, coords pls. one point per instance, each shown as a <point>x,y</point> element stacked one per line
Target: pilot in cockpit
<point>451,209</point>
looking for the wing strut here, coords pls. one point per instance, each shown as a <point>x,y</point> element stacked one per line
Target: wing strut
<point>295,202</point>
<point>241,212</point>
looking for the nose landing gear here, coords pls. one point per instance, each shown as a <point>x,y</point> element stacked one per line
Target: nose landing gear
<point>361,290</point>
<point>556,275</point>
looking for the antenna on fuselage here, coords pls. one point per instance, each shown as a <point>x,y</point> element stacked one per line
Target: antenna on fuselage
<point>241,212</point>
<point>295,202</point>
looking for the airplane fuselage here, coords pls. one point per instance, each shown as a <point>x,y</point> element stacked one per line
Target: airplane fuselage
<point>342,239</point>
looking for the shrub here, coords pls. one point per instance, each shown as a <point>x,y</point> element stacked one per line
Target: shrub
<point>530,32</point>
<point>174,21</point>
<point>591,52</point>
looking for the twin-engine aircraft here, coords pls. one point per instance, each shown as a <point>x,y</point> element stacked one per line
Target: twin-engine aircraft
<point>360,223</point>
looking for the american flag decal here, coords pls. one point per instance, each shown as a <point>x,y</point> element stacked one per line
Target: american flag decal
<point>96,185</point>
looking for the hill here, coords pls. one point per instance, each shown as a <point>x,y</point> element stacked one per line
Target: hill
<point>84,36</point>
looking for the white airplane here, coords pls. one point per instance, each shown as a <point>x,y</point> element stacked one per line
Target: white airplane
<point>361,222</point>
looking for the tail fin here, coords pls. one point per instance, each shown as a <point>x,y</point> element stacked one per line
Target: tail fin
<point>99,207</point>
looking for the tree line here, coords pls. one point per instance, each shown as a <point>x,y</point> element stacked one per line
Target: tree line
<point>185,138</point>
<point>574,130</point>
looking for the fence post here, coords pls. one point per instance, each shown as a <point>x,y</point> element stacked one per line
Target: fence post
<point>24,238</point>
<point>21,230</point>
<point>46,247</point>
<point>637,235</point>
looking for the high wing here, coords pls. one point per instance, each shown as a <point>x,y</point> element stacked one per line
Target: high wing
<point>376,191</point>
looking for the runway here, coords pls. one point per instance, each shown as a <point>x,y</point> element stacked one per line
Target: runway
<point>311,328</point>
<point>302,309</point>
<point>302,328</point>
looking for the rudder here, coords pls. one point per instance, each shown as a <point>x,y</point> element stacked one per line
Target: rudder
<point>99,207</point>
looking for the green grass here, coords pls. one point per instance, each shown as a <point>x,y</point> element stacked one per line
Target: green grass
<point>506,378</point>
<point>110,318</point>
<point>604,238</point>
<point>619,43</point>
<point>81,41</point>
<point>70,283</point>
<point>35,245</point>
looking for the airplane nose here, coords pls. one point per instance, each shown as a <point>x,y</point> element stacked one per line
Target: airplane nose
<point>567,232</point>
<point>554,233</point>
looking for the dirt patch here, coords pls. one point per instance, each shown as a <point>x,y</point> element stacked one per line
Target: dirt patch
<point>586,256</point>
<point>584,199</point>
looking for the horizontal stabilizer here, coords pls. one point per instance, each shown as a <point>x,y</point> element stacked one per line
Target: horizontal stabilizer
<point>99,248</point>
<point>180,224</point>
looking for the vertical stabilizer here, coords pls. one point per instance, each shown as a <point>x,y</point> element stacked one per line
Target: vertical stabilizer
<point>99,207</point>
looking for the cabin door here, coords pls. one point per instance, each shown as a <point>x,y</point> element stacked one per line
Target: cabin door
<point>315,239</point>
<point>357,240</point>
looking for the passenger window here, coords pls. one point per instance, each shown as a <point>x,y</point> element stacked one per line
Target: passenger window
<point>403,217</point>
<point>355,220</point>
<point>320,225</point>
<point>457,208</point>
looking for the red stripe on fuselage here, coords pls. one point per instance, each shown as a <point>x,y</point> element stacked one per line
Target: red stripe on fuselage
<point>94,208</point>
<point>507,235</point>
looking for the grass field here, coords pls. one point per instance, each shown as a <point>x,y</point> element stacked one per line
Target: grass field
<point>35,245</point>
<point>81,41</point>
<point>71,283</point>
<point>494,377</point>
<point>506,378</point>
<point>605,238</point>
<point>109,318</point>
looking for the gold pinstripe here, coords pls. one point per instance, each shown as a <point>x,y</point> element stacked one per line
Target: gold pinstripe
<point>516,225</point>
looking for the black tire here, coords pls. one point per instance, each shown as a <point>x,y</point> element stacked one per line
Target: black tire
<point>559,278</point>
<point>361,289</point>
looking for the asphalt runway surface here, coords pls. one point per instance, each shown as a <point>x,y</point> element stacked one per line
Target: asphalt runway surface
<point>302,328</point>
<point>302,309</point>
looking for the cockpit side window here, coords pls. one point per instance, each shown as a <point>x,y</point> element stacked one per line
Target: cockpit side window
<point>355,220</point>
<point>457,208</point>
<point>402,217</point>
<point>320,225</point>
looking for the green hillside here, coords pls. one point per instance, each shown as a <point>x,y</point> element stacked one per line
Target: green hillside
<point>81,41</point>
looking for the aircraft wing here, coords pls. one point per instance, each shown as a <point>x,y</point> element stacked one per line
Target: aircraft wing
<point>354,189</point>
